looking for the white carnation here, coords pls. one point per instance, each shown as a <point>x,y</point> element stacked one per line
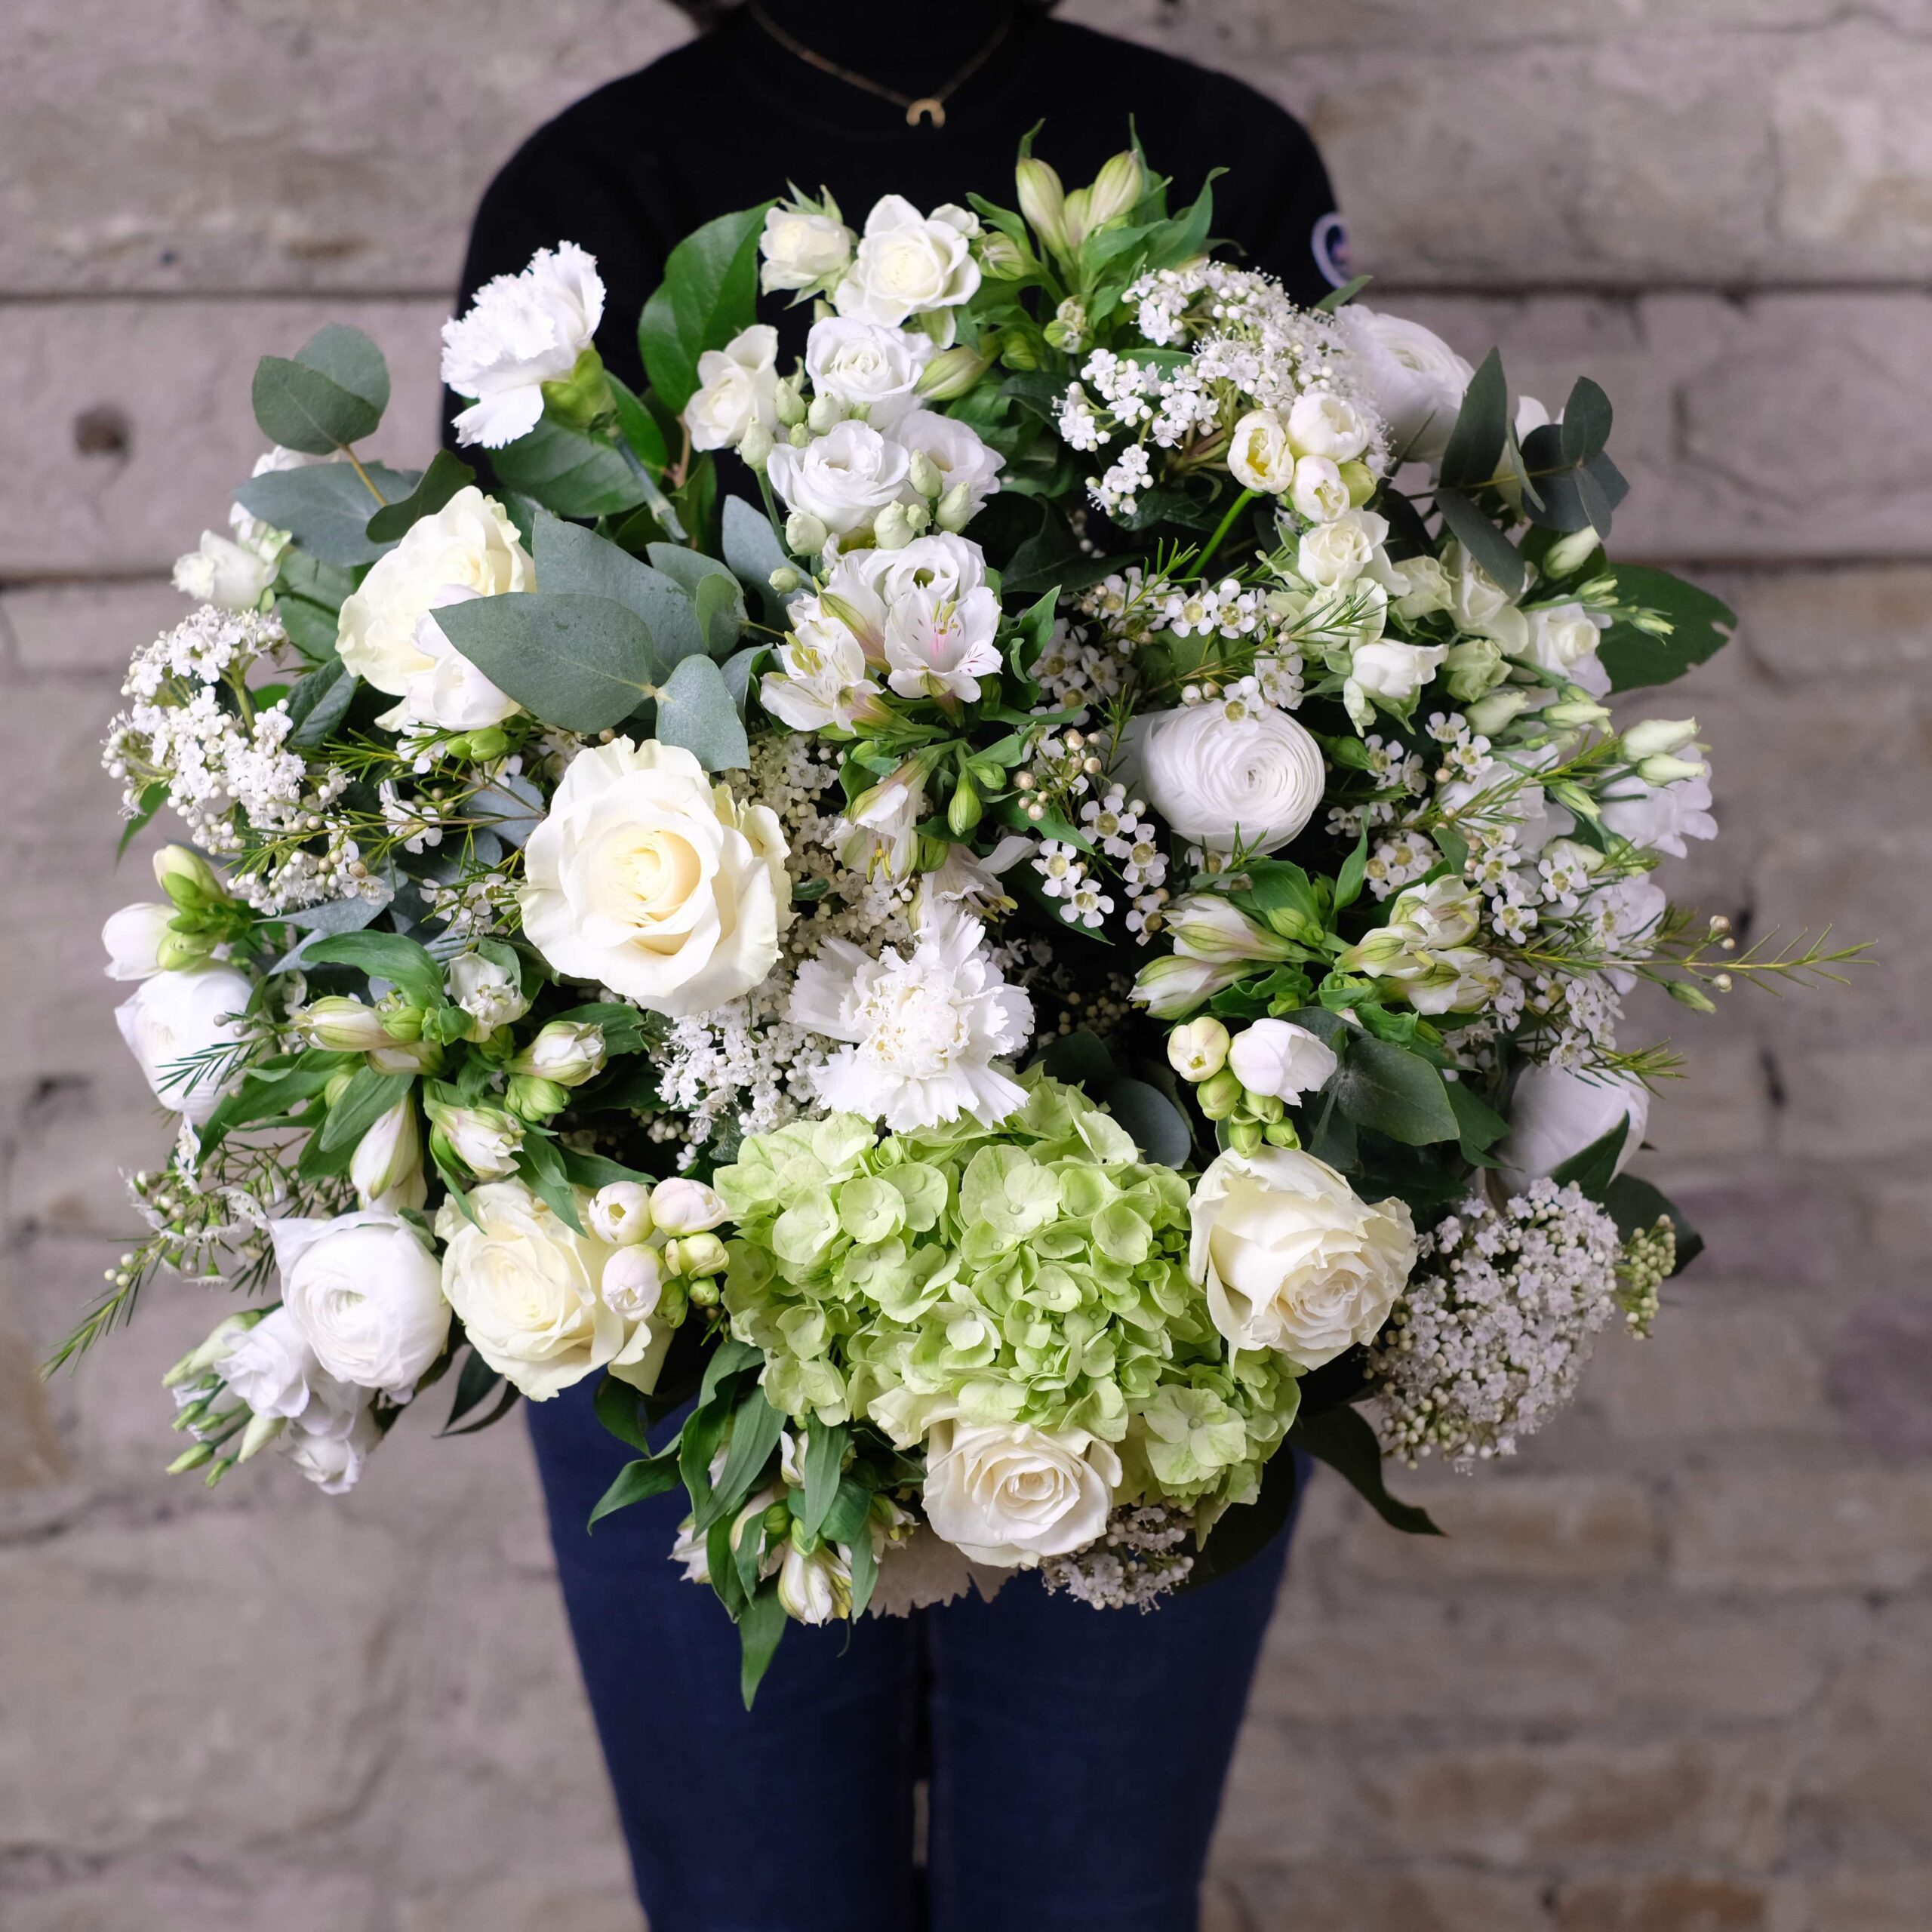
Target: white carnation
<point>521,332</point>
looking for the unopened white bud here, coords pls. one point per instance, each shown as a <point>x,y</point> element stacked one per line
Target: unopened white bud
<point>927,477</point>
<point>804,533</point>
<point>955,510</point>
<point>893,530</point>
<point>620,1213</point>
<point>755,445</point>
<point>825,414</point>
<point>1665,770</point>
<point>681,1206</point>
<point>1199,1049</point>
<point>1655,736</point>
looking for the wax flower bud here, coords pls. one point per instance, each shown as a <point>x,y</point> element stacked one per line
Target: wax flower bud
<point>1199,1049</point>
<point>341,1024</point>
<point>1657,735</point>
<point>620,1213</point>
<point>1117,189</point>
<point>570,1052</point>
<point>681,1206</point>
<point>1043,201</point>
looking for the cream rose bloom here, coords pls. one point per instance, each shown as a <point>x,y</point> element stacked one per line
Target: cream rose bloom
<point>366,1296</point>
<point>647,878</point>
<point>738,386</point>
<point>1216,780</point>
<point>469,545</point>
<point>909,264</point>
<point>1007,1495</point>
<point>801,247</point>
<point>526,1287</point>
<point>1292,1258</point>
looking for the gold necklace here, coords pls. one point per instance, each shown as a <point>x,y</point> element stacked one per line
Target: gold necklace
<point>928,108</point>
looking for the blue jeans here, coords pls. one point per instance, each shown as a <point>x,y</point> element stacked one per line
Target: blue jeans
<point>1076,1757</point>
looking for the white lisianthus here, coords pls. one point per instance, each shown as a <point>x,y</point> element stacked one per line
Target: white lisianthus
<point>1279,1058</point>
<point>387,1168</point>
<point>1481,606</point>
<point>923,1032</point>
<point>1393,672</point>
<point>909,264</point>
<point>1554,1114</point>
<point>682,1206</point>
<point>449,694</point>
<point>368,1296</point>
<point>647,878</point>
<point>955,449</point>
<point>470,544</point>
<point>521,331</point>
<point>174,1017</point>
<point>1260,457</point>
<point>1661,816</point>
<point>272,1367</point>
<point>1323,425</point>
<point>801,247</point>
<point>951,567</point>
<point>526,1287</point>
<point>869,369</point>
<point>223,572</point>
<point>329,1445</point>
<point>1414,380</point>
<point>738,386</point>
<point>490,994</point>
<point>1216,780</point>
<point>620,1213</point>
<point>1562,637</point>
<point>843,479</point>
<point>940,646</point>
<point>133,937</point>
<point>1007,1495</point>
<point>1338,552</point>
<point>1292,1258</point>
<point>1319,493</point>
<point>1425,588</point>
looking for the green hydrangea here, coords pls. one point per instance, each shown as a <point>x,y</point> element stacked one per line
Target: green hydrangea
<point>1036,1273</point>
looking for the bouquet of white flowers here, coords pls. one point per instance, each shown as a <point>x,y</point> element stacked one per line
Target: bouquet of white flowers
<point>1068,938</point>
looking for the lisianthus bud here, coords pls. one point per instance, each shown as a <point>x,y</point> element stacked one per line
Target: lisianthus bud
<point>681,1206</point>
<point>1219,1095</point>
<point>1043,201</point>
<point>955,511</point>
<point>569,1052</point>
<point>533,1098</point>
<point>784,579</point>
<point>755,445</point>
<point>1575,714</point>
<point>788,401</point>
<point>893,530</point>
<point>927,477</point>
<point>951,372</point>
<point>1663,770</point>
<point>1571,553</point>
<point>620,1213</point>
<point>187,877</point>
<point>1199,1049</point>
<point>262,1430</point>
<point>1117,189</point>
<point>1488,715</point>
<point>632,1282</point>
<point>804,533</point>
<point>485,1139</point>
<point>1657,735</point>
<point>1474,666</point>
<point>342,1024</point>
<point>825,415</point>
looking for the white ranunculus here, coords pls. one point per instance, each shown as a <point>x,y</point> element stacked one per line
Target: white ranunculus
<point>223,572</point>
<point>526,1287</point>
<point>682,1206</point>
<point>490,994</point>
<point>1276,1058</point>
<point>1319,493</point>
<point>368,1296</point>
<point>1328,425</point>
<point>801,248</point>
<point>1415,380</point>
<point>1560,637</point>
<point>387,1168</point>
<point>133,937</point>
<point>329,1445</point>
<point>1554,1114</point>
<point>1292,1258</point>
<point>737,386</point>
<point>470,544</point>
<point>632,1281</point>
<point>955,449</point>
<point>1215,779</point>
<point>909,264</point>
<point>173,1016</point>
<point>620,1213</point>
<point>844,478</point>
<point>272,1367</point>
<point>521,331</point>
<point>449,694</point>
<point>868,368</point>
<point>1008,1494</point>
<point>647,878</point>
<point>1339,551</point>
<point>1259,455</point>
<point>1661,816</point>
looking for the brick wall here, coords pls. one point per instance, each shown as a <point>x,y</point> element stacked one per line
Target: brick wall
<point>1668,1674</point>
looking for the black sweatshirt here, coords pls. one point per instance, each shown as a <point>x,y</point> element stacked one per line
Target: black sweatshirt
<point>724,121</point>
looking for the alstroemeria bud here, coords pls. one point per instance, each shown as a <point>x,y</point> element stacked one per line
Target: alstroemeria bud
<point>963,811</point>
<point>1002,258</point>
<point>485,1139</point>
<point>1655,736</point>
<point>1076,214</point>
<point>532,1097</point>
<point>620,1213</point>
<point>407,1057</point>
<point>814,1588</point>
<point>342,1024</point>
<point>401,1017</point>
<point>567,1051</point>
<point>681,1206</point>
<point>387,1168</point>
<point>187,877</point>
<point>1043,201</point>
<point>1117,189</point>
<point>1199,1051</point>
<point>951,372</point>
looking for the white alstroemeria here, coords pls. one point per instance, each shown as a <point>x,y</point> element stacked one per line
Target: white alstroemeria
<point>133,937</point>
<point>883,821</point>
<point>387,1168</point>
<point>843,479</point>
<point>909,264</point>
<point>964,462</point>
<point>1414,380</point>
<point>942,647</point>
<point>803,246</point>
<point>449,694</point>
<point>923,1031</point>
<point>227,573</point>
<point>869,370</point>
<point>738,386</point>
<point>822,682</point>
<point>491,994</point>
<point>175,1025</point>
<point>1661,816</point>
<point>972,882</point>
<point>521,331</point>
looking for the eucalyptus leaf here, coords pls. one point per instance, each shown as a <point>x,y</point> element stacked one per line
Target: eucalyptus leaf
<point>514,806</point>
<point>709,292</point>
<point>444,477</point>
<point>1396,1093</point>
<point>327,506</point>
<point>578,562</point>
<point>585,663</point>
<point>332,393</point>
<point>1483,540</point>
<point>695,710</point>
<point>1482,427</point>
<point>1159,1129</point>
<point>319,702</point>
<point>338,915</point>
<point>753,551</point>
<point>1586,422</point>
<point>720,602</point>
<point>569,473</point>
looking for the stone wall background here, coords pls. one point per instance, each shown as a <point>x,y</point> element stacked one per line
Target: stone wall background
<point>1669,1675</point>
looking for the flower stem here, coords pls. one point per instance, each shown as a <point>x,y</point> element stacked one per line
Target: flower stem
<point>1234,509</point>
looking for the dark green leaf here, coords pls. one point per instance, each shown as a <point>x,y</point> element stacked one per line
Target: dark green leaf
<point>695,710</point>
<point>540,1163</point>
<point>1586,422</point>
<point>825,1444</point>
<point>760,1627</point>
<point>504,1403</point>
<point>1080,1059</point>
<point>1702,625</point>
<point>1159,1129</point>
<point>152,798</point>
<point>577,562</point>
<point>368,1096</point>
<point>636,1482</point>
<point>583,663</point>
<point>1482,540</point>
<point>332,394</point>
<point>326,507</point>
<point>638,426</point>
<point>1245,1530</point>
<point>620,1409</point>
<point>444,477</point>
<point>386,956</point>
<point>1343,1438</point>
<point>755,1425</point>
<point>1634,1204</point>
<point>1482,425</point>
<point>1596,1167</point>
<point>709,292</point>
<point>473,1385</point>
<point>568,473</point>
<point>1396,1093</point>
<point>1479,1125</point>
<point>1339,299</point>
<point>320,702</point>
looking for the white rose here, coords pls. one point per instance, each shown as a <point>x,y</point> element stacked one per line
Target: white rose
<point>1292,1258</point>
<point>491,994</point>
<point>1560,638</point>
<point>956,451</point>
<point>387,1168</point>
<point>1276,1057</point>
<point>368,1296</point>
<point>1328,425</point>
<point>909,264</point>
<point>1414,379</point>
<point>632,1282</point>
<point>646,878</point>
<point>470,544</point>
<point>449,694</point>
<point>738,385</point>
<point>272,1367</point>
<point>1554,1114</point>
<point>1215,779</point>
<point>133,937</point>
<point>801,248</point>
<point>330,1445</point>
<point>681,1206</point>
<point>173,1016</point>
<point>1396,672</point>
<point>1319,493</point>
<point>1009,1495</point>
<point>224,572</point>
<point>1259,455</point>
<point>866,367</point>
<point>1339,551</point>
<point>844,478</point>
<point>526,1287</point>
<point>1481,606</point>
<point>521,331</point>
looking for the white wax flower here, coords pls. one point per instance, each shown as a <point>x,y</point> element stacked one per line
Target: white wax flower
<point>1321,424</point>
<point>1007,1495</point>
<point>955,449</point>
<point>867,367</point>
<point>801,247</point>
<point>907,263</point>
<point>738,386</point>
<point>647,878</point>
<point>521,331</point>
<point>174,1016</point>
<point>923,1031</point>
<point>1215,779</point>
<point>366,1296</point>
<point>1276,1058</point>
<point>844,478</point>
<point>133,938</point>
<point>1292,1258</point>
<point>1554,1114</point>
<point>470,544</point>
<point>1414,379</point>
<point>1259,455</point>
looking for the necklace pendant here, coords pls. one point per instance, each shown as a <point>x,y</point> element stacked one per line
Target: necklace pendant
<point>928,109</point>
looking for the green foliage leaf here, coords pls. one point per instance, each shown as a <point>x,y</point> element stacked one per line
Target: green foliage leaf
<point>760,1626</point>
<point>368,1096</point>
<point>326,507</point>
<point>386,956</point>
<point>1160,1129</point>
<point>638,426</point>
<point>709,293</point>
<point>1586,422</point>
<point>755,1428</point>
<point>539,1162</point>
<point>444,477</point>
<point>583,663</point>
<point>1337,299</point>
<point>333,393</point>
<point>825,1444</point>
<point>1080,1059</point>
<point>1396,1093</point>
<point>695,710</point>
<point>319,702</point>
<point>1634,1204</point>
<point>1243,1532</point>
<point>1702,626</point>
<point>1479,1125</point>
<point>568,473</point>
<point>1343,1438</point>
<point>754,553</point>
<point>1482,540</point>
<point>473,1385</point>
<point>575,561</point>
<point>1595,1168</point>
<point>648,1476</point>
<point>1482,427</point>
<point>1349,880</point>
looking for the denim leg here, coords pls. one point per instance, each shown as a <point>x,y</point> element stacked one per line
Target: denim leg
<point>1079,1754</point>
<point>796,1817</point>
